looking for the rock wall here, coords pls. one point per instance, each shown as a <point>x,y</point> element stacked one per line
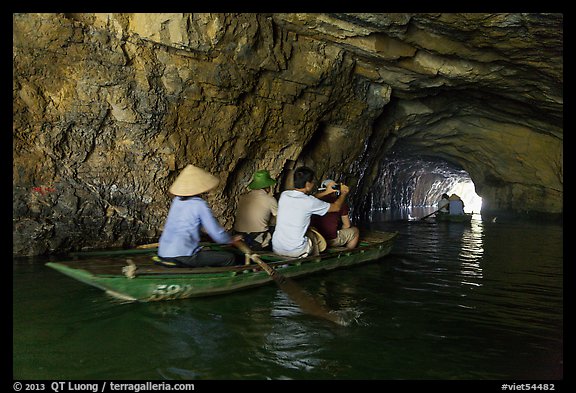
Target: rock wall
<point>108,108</point>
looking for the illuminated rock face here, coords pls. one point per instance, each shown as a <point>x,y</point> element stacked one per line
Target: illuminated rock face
<point>109,107</point>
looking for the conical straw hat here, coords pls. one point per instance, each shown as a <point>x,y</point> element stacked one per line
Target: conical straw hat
<point>320,239</point>
<point>193,181</point>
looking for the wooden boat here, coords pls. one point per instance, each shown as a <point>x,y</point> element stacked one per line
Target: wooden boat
<point>444,217</point>
<point>132,274</point>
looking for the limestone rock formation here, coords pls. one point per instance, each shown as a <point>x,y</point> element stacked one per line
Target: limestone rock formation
<point>107,108</point>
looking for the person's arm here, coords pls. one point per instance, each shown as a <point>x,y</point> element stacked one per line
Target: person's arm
<point>327,191</point>
<point>346,221</point>
<point>213,227</point>
<point>273,212</point>
<point>274,207</point>
<point>337,204</point>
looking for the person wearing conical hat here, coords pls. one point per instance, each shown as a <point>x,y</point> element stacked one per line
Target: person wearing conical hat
<point>179,244</point>
<point>256,212</point>
<point>456,205</point>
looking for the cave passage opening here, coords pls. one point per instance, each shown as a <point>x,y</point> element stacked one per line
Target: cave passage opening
<point>414,184</point>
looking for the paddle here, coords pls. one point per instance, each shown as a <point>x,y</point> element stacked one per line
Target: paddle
<point>430,214</point>
<point>306,302</point>
<point>151,245</point>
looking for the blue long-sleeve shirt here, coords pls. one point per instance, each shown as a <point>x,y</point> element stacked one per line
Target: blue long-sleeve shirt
<point>181,235</point>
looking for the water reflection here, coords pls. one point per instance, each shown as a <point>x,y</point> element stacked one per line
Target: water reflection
<point>208,338</point>
<point>476,301</point>
<point>471,252</point>
<point>291,343</point>
<point>465,245</point>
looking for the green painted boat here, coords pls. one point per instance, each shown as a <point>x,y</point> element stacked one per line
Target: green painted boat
<point>132,275</point>
<point>466,217</point>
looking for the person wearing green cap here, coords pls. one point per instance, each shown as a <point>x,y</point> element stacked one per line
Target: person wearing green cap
<point>256,212</point>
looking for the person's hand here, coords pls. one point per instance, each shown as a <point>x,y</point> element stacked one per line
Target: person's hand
<point>344,189</point>
<point>237,238</point>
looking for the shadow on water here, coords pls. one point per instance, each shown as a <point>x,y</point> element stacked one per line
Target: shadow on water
<point>476,301</point>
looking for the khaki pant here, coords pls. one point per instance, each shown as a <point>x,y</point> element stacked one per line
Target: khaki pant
<point>343,236</point>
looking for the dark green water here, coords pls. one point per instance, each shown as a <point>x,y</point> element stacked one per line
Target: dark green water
<point>452,301</point>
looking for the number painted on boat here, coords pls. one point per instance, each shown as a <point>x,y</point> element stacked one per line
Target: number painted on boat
<point>170,291</point>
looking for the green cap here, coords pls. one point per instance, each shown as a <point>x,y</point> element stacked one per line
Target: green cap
<point>261,179</point>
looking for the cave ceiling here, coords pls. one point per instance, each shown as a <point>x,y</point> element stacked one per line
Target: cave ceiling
<point>493,59</point>
<point>482,91</point>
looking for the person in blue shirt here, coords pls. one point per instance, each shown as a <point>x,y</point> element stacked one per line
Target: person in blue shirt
<point>179,243</point>
<point>456,205</point>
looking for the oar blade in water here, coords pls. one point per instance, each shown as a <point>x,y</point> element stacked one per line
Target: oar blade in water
<point>304,300</point>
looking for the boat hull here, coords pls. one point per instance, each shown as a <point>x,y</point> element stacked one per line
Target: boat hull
<point>152,283</point>
<point>467,217</point>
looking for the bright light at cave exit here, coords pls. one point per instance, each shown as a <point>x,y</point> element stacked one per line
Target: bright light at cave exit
<point>466,191</point>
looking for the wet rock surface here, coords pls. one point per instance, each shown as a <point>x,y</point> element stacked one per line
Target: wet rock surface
<point>108,108</point>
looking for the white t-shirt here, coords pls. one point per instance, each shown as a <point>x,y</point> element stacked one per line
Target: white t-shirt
<point>294,211</point>
<point>443,205</point>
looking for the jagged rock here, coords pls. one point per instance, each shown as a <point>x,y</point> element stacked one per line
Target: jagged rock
<point>107,108</point>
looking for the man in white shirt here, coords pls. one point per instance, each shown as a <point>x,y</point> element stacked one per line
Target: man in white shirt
<point>295,207</point>
<point>443,204</point>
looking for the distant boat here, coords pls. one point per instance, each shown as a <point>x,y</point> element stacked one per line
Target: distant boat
<point>443,217</point>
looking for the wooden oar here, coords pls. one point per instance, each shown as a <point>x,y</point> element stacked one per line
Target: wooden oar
<point>430,214</point>
<point>151,245</point>
<point>306,302</point>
